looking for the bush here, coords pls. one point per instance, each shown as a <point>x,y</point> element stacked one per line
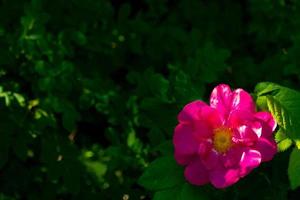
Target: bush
<point>90,90</point>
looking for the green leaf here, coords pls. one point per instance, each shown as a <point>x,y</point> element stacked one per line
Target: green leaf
<point>79,37</point>
<point>150,83</point>
<point>133,141</point>
<point>163,173</point>
<point>208,62</point>
<point>20,99</point>
<point>96,168</point>
<point>153,117</point>
<point>294,168</point>
<point>283,142</point>
<point>279,113</point>
<point>165,177</point>
<point>283,103</point>
<point>297,143</point>
<point>183,192</point>
<point>173,193</point>
<point>191,192</point>
<point>184,88</point>
<point>165,148</point>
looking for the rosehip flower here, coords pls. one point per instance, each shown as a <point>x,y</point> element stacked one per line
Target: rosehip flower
<point>225,141</point>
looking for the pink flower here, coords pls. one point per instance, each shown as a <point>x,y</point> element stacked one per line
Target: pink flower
<point>225,141</point>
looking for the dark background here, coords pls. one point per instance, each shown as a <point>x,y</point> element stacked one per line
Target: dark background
<point>90,89</point>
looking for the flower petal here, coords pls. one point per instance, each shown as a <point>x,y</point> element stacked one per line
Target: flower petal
<point>221,99</point>
<point>268,122</point>
<point>198,110</point>
<point>250,159</point>
<point>185,144</point>
<point>267,148</point>
<point>205,147</point>
<point>223,177</point>
<point>190,112</point>
<point>267,118</point>
<point>257,128</point>
<point>244,135</point>
<point>233,157</point>
<point>202,130</point>
<point>211,117</point>
<point>196,173</point>
<point>242,100</point>
<point>226,101</point>
<point>237,118</point>
<point>211,160</point>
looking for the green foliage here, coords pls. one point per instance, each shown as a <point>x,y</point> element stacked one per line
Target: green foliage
<point>163,173</point>
<point>283,103</point>
<point>165,177</point>
<point>283,142</point>
<point>90,91</point>
<point>293,170</point>
<point>184,191</point>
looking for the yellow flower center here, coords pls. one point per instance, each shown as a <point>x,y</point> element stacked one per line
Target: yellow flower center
<point>222,139</point>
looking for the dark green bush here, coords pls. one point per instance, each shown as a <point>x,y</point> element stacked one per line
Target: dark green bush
<point>90,90</point>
